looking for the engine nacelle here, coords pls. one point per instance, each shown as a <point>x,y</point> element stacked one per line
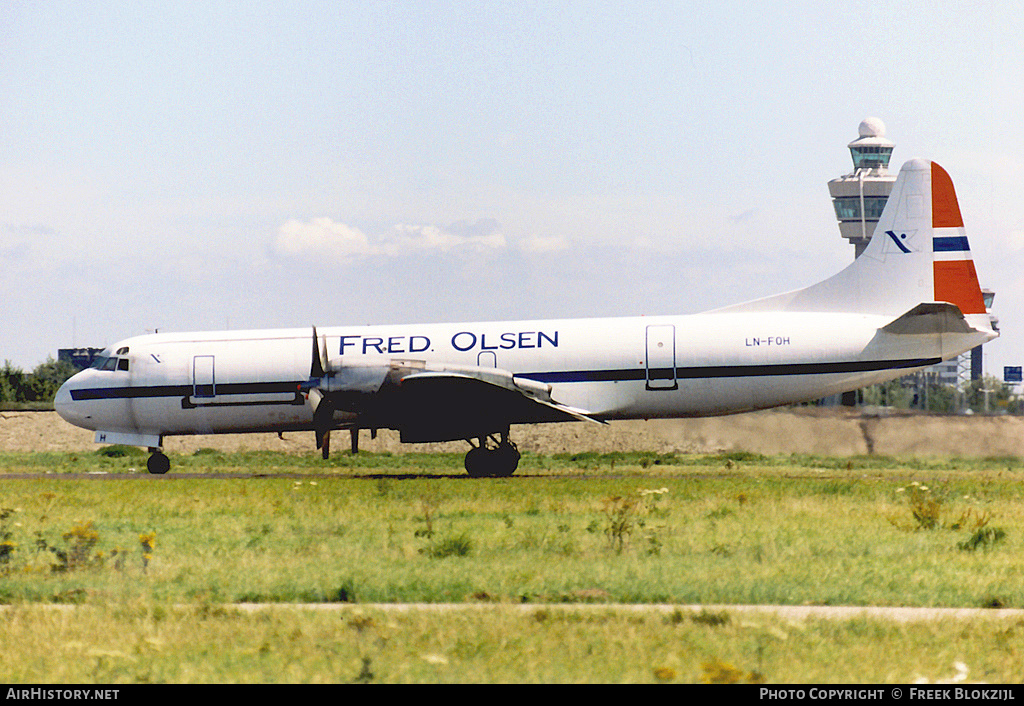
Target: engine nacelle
<point>363,376</point>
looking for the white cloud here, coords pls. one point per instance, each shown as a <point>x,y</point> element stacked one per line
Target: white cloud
<point>321,237</point>
<point>416,238</point>
<point>541,244</point>
<point>326,238</point>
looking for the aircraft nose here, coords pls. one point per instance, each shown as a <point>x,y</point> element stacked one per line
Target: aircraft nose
<point>62,400</point>
<point>65,405</point>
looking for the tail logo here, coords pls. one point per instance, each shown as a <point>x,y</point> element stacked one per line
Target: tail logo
<point>899,240</point>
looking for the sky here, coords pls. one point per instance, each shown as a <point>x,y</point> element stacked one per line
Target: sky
<point>234,165</point>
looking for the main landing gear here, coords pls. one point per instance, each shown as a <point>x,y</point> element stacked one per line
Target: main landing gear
<point>158,463</point>
<point>492,458</point>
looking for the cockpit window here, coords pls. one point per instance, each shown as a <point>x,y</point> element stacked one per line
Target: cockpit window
<point>103,362</point>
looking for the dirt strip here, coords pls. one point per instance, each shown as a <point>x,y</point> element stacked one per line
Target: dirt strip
<point>823,431</point>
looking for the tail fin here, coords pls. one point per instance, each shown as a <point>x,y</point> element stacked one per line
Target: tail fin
<point>918,253</point>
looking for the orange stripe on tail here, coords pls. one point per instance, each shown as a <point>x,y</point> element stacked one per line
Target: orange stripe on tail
<point>956,282</point>
<point>945,208</point>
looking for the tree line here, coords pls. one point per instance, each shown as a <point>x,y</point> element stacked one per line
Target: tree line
<point>36,387</point>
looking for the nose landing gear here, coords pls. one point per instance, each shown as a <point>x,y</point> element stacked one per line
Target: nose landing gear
<point>158,463</point>
<point>492,458</point>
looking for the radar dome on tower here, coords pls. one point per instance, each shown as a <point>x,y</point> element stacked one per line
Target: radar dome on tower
<point>871,127</point>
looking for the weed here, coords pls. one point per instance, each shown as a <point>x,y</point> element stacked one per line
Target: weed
<point>365,675</point>
<point>148,543</point>
<point>710,619</point>
<point>651,498</point>
<point>654,545</point>
<point>81,539</point>
<point>720,513</point>
<point>428,507</point>
<point>722,550</point>
<point>927,507</point>
<point>970,519</point>
<point>458,545</point>
<point>664,673</point>
<point>993,602</point>
<point>984,538</point>
<point>718,672</point>
<point>119,451</point>
<point>624,514</point>
<point>7,545</point>
<point>620,513</point>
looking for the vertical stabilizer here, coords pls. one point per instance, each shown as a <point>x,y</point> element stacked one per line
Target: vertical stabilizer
<point>918,253</point>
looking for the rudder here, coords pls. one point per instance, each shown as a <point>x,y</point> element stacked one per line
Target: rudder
<point>954,276</point>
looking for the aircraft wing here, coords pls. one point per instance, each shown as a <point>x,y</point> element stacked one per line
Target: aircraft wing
<point>457,403</point>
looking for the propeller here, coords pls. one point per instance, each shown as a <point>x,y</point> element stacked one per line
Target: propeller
<point>322,403</point>
<point>323,408</point>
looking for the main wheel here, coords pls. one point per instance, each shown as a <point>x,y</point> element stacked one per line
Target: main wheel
<point>499,462</point>
<point>478,462</point>
<point>505,461</point>
<point>158,463</point>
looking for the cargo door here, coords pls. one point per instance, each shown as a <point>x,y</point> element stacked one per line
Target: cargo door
<point>204,383</point>
<point>661,357</point>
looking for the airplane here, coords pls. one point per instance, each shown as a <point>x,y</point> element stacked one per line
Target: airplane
<point>911,300</point>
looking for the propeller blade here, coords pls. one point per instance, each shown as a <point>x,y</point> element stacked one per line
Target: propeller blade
<point>318,368</point>
<point>315,397</point>
<point>325,445</point>
<point>323,420</point>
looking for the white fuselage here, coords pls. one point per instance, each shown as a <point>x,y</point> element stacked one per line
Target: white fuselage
<point>622,368</point>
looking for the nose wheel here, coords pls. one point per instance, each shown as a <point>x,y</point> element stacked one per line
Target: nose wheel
<point>492,458</point>
<point>158,463</point>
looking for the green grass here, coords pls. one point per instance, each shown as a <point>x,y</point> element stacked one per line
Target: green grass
<point>147,555</point>
<point>203,643</point>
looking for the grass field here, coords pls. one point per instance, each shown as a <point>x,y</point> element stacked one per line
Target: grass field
<point>155,566</point>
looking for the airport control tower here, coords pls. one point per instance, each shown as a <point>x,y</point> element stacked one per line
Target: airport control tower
<point>860,196</point>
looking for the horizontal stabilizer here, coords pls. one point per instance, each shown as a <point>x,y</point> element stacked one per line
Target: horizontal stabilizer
<point>930,318</point>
